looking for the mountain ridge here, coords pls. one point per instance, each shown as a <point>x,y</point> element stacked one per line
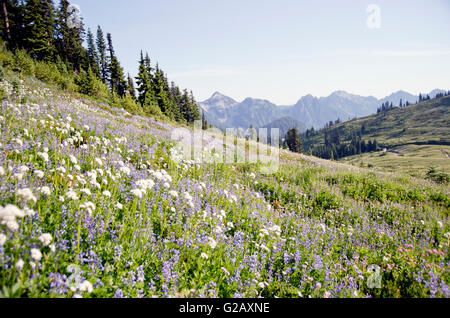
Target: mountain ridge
<point>223,111</point>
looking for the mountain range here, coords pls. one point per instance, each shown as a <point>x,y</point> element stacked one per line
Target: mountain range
<point>224,112</point>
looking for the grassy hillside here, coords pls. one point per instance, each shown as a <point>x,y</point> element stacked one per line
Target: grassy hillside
<point>417,137</point>
<point>92,205</point>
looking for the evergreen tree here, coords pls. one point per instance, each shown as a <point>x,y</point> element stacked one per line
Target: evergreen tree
<point>143,81</point>
<point>92,56</point>
<point>38,29</point>
<point>130,87</point>
<point>70,37</point>
<point>293,141</point>
<point>175,92</point>
<point>116,79</point>
<point>161,96</point>
<point>102,56</point>
<point>12,30</point>
<point>195,110</point>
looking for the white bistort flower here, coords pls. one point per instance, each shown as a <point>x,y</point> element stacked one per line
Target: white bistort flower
<point>19,264</point>
<point>88,206</point>
<point>125,170</point>
<point>46,239</point>
<point>173,194</point>
<point>137,193</point>
<point>39,174</point>
<point>99,161</point>
<point>36,254</point>
<point>73,159</point>
<point>86,287</point>
<point>204,256</point>
<point>212,243</point>
<point>26,194</point>
<point>86,191</point>
<point>45,190</point>
<point>2,239</point>
<point>72,195</point>
<point>107,194</point>
<point>43,155</point>
<point>2,171</point>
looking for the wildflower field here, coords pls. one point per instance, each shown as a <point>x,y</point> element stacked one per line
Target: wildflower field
<point>92,205</point>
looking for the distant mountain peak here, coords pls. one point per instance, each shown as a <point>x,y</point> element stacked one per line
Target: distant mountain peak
<point>217,94</point>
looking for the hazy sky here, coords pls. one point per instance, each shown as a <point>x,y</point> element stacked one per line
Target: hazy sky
<point>281,50</point>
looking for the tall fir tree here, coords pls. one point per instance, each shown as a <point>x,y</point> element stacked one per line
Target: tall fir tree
<point>160,93</point>
<point>293,141</point>
<point>38,29</point>
<point>143,81</point>
<point>130,87</point>
<point>12,30</point>
<point>92,55</point>
<point>116,79</point>
<point>102,55</point>
<point>70,37</point>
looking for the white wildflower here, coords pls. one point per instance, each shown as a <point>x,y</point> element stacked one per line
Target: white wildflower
<point>2,239</point>
<point>19,264</point>
<point>145,184</point>
<point>107,194</point>
<point>118,206</point>
<point>23,169</point>
<point>36,254</point>
<point>86,191</point>
<point>88,206</point>
<point>61,169</point>
<point>45,190</point>
<point>43,155</point>
<point>99,161</point>
<point>73,159</point>
<point>26,194</point>
<point>39,174</point>
<point>138,193</point>
<point>125,170</point>
<point>46,239</point>
<point>204,256</point>
<point>2,171</point>
<point>72,195</point>
<point>212,243</point>
<point>187,196</point>
<point>173,194</point>
<point>86,287</point>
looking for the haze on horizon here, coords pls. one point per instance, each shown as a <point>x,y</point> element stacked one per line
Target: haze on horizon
<point>281,51</point>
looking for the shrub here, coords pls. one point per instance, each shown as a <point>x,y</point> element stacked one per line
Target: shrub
<point>23,63</point>
<point>438,176</point>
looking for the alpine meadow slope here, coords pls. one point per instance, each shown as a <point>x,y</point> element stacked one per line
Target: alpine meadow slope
<point>93,205</point>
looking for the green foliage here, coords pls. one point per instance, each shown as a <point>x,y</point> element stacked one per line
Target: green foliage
<point>438,176</point>
<point>293,140</point>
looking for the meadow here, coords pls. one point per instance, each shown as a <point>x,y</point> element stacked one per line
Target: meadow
<point>92,204</point>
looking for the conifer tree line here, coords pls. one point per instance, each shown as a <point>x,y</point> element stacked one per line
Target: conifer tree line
<point>387,106</point>
<point>334,147</point>
<point>45,33</point>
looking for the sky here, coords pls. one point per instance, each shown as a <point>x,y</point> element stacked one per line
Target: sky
<point>282,50</point>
